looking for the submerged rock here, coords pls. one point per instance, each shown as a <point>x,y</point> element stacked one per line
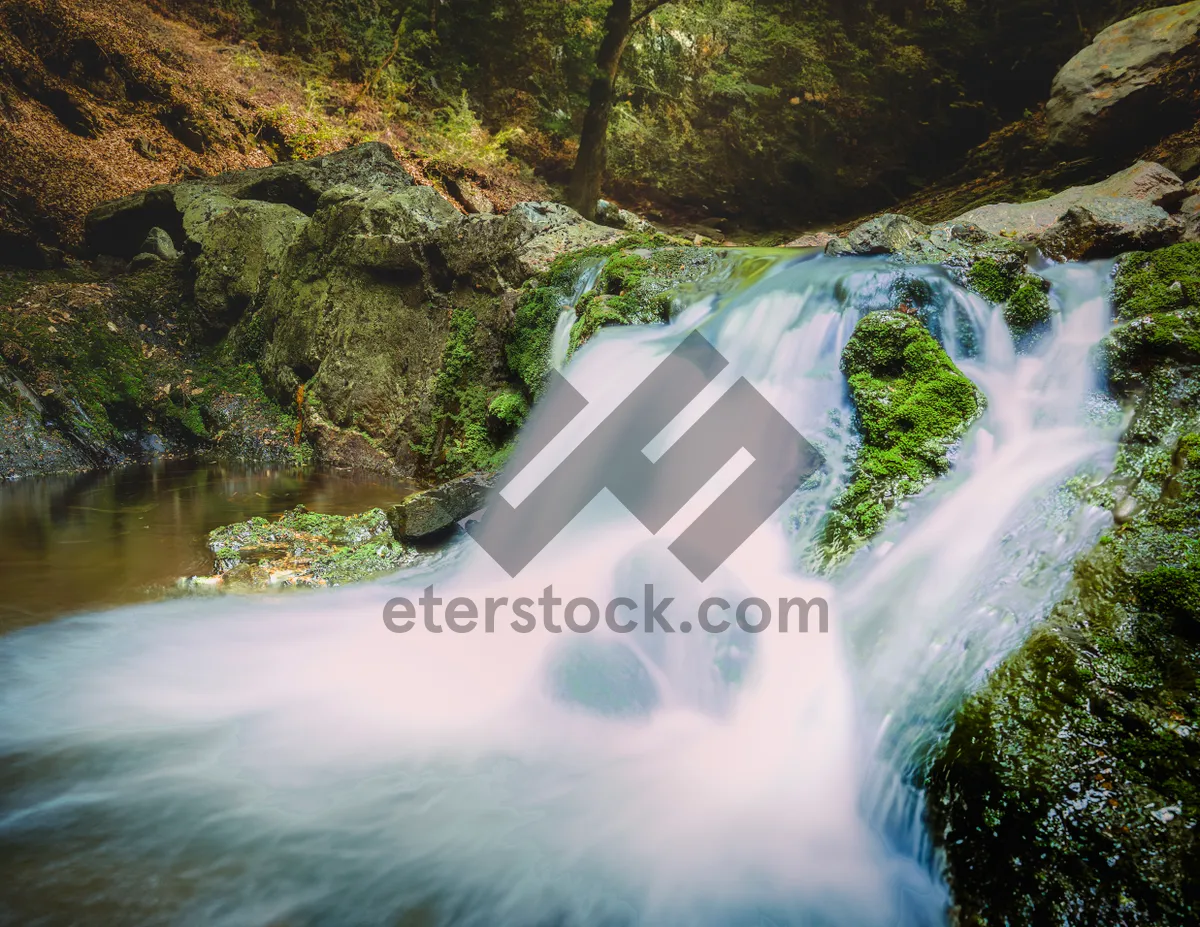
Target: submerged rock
<point>912,406</point>
<point>1135,78</point>
<point>303,548</point>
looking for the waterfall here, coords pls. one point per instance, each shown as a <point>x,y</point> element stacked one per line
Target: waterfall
<point>560,344</point>
<point>287,759</point>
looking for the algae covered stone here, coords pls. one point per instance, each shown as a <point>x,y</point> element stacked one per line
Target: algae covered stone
<point>912,405</point>
<point>1156,298</point>
<point>1069,788</point>
<point>1023,294</point>
<point>303,548</point>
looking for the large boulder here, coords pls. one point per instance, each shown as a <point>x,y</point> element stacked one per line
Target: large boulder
<point>1109,225</point>
<point>118,227</point>
<point>1027,222</point>
<point>1135,80</point>
<point>241,250</point>
<point>428,514</point>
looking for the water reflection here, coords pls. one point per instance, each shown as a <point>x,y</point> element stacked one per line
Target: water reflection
<point>88,540</point>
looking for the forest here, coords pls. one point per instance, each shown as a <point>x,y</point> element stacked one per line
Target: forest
<point>778,113</point>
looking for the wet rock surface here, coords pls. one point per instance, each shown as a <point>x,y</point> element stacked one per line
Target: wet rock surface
<point>302,548</point>
<point>426,515</point>
<point>1069,787</point>
<point>912,406</point>
<point>1028,222</point>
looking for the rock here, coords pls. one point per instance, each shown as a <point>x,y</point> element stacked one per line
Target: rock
<point>159,243</point>
<point>1026,222</point>
<point>1184,162</point>
<point>540,232</point>
<point>1106,226</point>
<point>1189,213</point>
<point>886,234</point>
<point>373,303</point>
<point>120,226</point>
<point>303,548</point>
<point>912,405</point>
<point>29,444</point>
<point>614,216</point>
<point>631,286</point>
<point>143,260</point>
<point>241,249</point>
<point>811,240</point>
<point>1024,294</point>
<point>1066,792</point>
<point>1156,298</point>
<point>1130,84</point>
<point>425,515</point>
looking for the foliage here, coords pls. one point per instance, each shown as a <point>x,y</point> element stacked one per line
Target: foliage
<point>767,108</point>
<point>456,438</point>
<point>458,139</point>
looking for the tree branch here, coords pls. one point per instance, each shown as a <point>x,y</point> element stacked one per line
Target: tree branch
<point>654,5</point>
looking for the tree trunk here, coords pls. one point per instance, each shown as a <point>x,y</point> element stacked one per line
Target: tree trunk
<point>584,190</point>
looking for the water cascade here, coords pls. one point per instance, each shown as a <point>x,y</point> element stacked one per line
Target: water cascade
<point>286,759</point>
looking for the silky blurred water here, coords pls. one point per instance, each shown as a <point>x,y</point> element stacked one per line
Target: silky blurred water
<point>288,760</point>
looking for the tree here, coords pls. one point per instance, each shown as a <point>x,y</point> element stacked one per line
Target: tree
<point>583,193</point>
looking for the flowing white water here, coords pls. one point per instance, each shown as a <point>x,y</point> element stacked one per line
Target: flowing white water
<point>288,760</point>
<point>560,344</point>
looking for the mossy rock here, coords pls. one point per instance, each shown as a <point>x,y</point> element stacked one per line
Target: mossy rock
<point>641,279</point>
<point>113,367</point>
<point>1024,295</point>
<point>1156,298</point>
<point>912,405</point>
<point>1069,788</point>
<point>303,548</point>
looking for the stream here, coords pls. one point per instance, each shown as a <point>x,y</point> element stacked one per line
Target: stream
<point>286,759</point>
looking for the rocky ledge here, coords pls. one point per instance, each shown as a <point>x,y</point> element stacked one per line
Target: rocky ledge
<point>1068,789</point>
<point>330,310</point>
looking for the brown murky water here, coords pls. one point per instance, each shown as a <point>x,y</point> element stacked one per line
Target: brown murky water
<point>91,540</point>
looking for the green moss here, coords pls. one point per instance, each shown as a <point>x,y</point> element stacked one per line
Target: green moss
<point>991,281</point>
<point>306,549</point>
<point>1069,788</point>
<point>456,439</point>
<point>911,406</point>
<point>640,275</point>
<point>1166,280</point>
<point>1028,307</point>
<point>533,332</point>
<point>1024,295</point>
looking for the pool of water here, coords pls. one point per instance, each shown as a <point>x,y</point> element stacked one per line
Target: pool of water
<point>90,540</point>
